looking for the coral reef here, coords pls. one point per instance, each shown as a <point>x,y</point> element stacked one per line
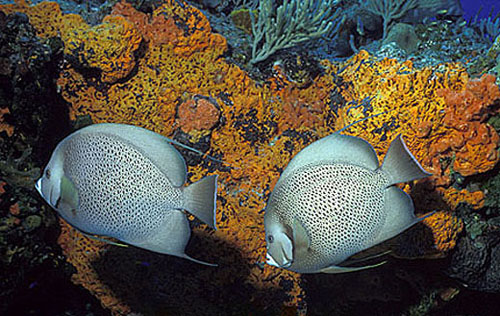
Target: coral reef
<point>164,71</point>
<point>5,127</point>
<point>474,143</point>
<point>33,116</point>
<point>45,17</point>
<point>445,228</point>
<point>491,187</point>
<point>445,135</point>
<point>197,114</point>
<point>29,66</point>
<point>109,47</point>
<point>474,198</point>
<point>475,260</point>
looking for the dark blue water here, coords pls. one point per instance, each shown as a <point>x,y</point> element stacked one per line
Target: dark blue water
<point>471,7</point>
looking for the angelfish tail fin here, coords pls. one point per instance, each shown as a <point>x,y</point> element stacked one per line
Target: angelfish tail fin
<point>200,199</point>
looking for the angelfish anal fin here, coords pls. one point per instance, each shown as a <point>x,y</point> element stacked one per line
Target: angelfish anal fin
<point>301,239</point>
<point>337,269</point>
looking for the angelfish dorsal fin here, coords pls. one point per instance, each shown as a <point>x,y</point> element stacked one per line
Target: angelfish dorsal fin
<point>300,237</point>
<point>335,148</point>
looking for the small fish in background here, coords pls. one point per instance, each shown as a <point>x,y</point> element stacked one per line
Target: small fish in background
<point>424,10</point>
<point>333,200</point>
<point>127,182</point>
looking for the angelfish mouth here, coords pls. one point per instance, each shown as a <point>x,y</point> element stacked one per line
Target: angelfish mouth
<point>38,187</point>
<point>270,261</point>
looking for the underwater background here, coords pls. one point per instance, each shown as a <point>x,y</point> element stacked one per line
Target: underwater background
<point>247,85</point>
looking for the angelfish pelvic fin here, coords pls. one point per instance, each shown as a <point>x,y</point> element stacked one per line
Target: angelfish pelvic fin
<point>369,257</point>
<point>94,237</point>
<point>337,269</point>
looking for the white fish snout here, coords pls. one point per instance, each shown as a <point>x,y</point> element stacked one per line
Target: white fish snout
<point>38,186</point>
<point>270,261</point>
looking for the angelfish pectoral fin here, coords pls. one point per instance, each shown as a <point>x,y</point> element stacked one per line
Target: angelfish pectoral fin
<point>337,269</point>
<point>68,198</point>
<point>300,237</point>
<point>301,241</point>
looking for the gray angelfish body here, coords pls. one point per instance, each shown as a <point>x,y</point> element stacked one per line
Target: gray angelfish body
<point>333,200</point>
<point>127,182</point>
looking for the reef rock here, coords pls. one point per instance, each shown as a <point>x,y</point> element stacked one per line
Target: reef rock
<point>476,262</point>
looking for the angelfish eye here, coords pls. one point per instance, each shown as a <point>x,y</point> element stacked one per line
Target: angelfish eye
<point>47,173</point>
<point>270,238</point>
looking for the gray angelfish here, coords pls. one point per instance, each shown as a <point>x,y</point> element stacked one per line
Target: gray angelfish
<point>127,182</point>
<point>333,200</point>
